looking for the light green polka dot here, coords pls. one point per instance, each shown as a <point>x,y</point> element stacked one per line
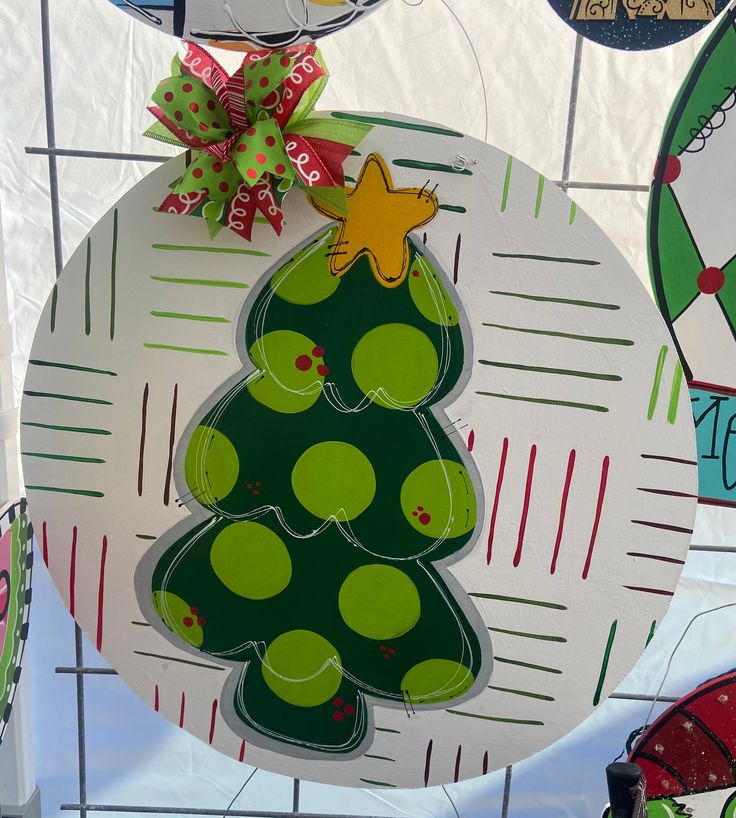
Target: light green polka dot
<point>251,560</point>
<point>298,667</point>
<point>211,465</point>
<point>437,498</point>
<point>334,479</point>
<point>173,610</point>
<point>437,680</point>
<point>306,279</point>
<point>379,602</point>
<point>283,386</point>
<point>396,365</point>
<point>430,296</point>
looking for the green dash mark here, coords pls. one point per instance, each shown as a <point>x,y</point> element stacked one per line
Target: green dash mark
<point>675,394</point>
<point>568,404</point>
<point>58,396</point>
<point>540,193</point>
<point>523,601</point>
<point>65,457</point>
<point>395,123</point>
<point>530,722</point>
<point>74,367</point>
<point>377,783</point>
<point>176,659</point>
<point>528,694</point>
<point>652,629</point>
<point>146,537</point>
<point>431,166</point>
<point>529,665</point>
<point>192,248</point>
<point>654,397</point>
<point>506,184</point>
<point>113,272</point>
<point>594,305</point>
<point>58,490</point>
<point>548,370</point>
<point>453,208</point>
<point>542,637</point>
<point>87,294</point>
<point>378,758</point>
<point>556,259</point>
<point>201,282</point>
<point>193,350</point>
<point>573,212</point>
<point>552,334</point>
<point>604,664</point>
<point>80,429</point>
<point>184,316</point>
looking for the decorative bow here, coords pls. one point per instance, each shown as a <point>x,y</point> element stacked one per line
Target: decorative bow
<point>253,136</point>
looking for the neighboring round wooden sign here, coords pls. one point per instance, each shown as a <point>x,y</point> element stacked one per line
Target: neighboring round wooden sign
<point>16,556</point>
<point>272,24</point>
<point>392,500</point>
<point>637,25</point>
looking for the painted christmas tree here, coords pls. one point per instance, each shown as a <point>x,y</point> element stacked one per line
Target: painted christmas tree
<point>333,489</point>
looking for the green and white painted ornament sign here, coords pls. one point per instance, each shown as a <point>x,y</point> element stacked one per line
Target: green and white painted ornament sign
<point>391,490</point>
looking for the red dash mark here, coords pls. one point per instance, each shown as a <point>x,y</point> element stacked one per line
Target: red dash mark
<point>457,762</point>
<point>241,756</point>
<point>525,507</point>
<point>142,443</point>
<point>499,485</point>
<point>212,720</point>
<point>456,269</point>
<point>72,570</point>
<point>563,509</point>
<point>45,547</point>
<point>101,593</point>
<point>428,761</point>
<point>155,699</point>
<point>598,510</point>
<point>658,591</point>
<point>182,707</point>
<point>485,762</point>
<point>172,435</point>
<point>471,440</point>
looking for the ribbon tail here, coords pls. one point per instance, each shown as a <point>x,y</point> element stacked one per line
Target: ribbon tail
<point>182,136</point>
<point>182,204</point>
<point>267,204</point>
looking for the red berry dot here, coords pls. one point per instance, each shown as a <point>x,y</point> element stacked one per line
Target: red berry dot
<point>261,158</point>
<point>391,650</point>
<point>188,621</point>
<point>193,611</point>
<point>318,352</point>
<point>211,105</point>
<point>415,273</point>
<point>337,701</point>
<point>280,168</point>
<point>349,710</point>
<point>303,363</point>
<point>263,82</point>
<point>270,141</point>
<point>711,280</point>
<point>415,514</point>
<point>258,482</point>
<point>203,127</point>
<point>323,370</point>
<point>386,656</point>
<point>285,62</point>
<point>200,621</point>
<point>256,492</point>
<point>217,167</point>
<point>178,116</point>
<point>224,187</point>
<point>250,485</point>
<point>382,647</point>
<point>424,518</point>
<point>197,173</point>
<point>193,107</point>
<point>337,716</point>
<point>251,132</point>
<point>242,147</point>
<point>672,170</point>
<point>252,174</point>
<point>187,87</point>
<point>168,96</point>
<point>420,508</point>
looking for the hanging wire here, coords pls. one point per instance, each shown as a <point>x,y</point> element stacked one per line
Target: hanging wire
<point>475,57</point>
<point>451,801</point>
<point>239,793</point>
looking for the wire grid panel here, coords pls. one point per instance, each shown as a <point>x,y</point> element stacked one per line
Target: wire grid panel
<point>79,670</point>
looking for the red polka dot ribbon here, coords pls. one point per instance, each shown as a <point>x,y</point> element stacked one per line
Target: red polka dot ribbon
<point>254,134</point>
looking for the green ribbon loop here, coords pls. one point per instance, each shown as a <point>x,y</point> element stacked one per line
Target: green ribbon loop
<point>261,150</point>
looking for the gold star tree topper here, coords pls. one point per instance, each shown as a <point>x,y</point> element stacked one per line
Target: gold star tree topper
<point>378,221</point>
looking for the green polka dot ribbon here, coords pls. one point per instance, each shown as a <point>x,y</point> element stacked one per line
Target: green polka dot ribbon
<point>253,134</point>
